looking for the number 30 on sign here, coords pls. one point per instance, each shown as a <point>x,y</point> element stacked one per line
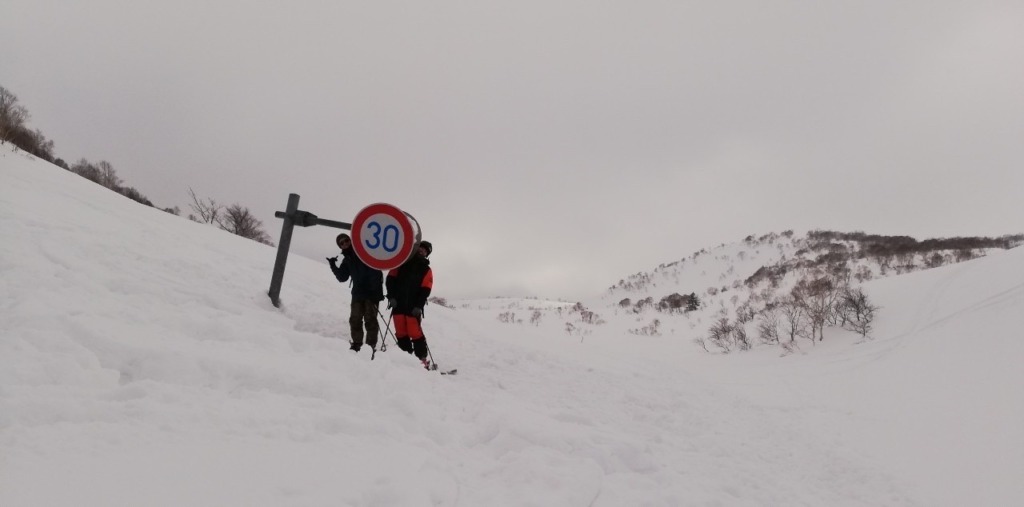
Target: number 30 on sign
<point>383,236</point>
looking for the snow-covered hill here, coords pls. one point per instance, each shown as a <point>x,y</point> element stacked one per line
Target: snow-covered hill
<point>774,262</point>
<point>141,363</point>
<point>741,282</point>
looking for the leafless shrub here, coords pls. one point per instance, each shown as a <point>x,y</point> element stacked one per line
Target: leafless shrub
<point>789,347</point>
<point>590,317</point>
<point>508,318</point>
<point>863,274</point>
<point>643,304</point>
<point>652,329</point>
<point>206,211</point>
<point>772,274</point>
<point>935,260</point>
<point>720,334</point>
<point>440,301</point>
<point>673,303</point>
<point>745,313</point>
<point>964,254</point>
<point>535,317</point>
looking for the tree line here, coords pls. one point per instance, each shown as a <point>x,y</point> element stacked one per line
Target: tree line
<point>820,298</point>
<point>14,129</point>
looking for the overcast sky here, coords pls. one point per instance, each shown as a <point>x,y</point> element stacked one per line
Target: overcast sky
<point>547,148</point>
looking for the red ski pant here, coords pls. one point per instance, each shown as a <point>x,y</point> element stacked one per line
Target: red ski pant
<point>408,326</point>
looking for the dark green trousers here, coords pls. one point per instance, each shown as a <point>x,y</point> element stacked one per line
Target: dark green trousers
<point>364,312</point>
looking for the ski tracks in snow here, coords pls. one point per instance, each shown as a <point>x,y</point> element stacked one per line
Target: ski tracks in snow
<point>633,433</point>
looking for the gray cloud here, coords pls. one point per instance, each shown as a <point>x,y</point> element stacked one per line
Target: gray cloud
<point>547,148</point>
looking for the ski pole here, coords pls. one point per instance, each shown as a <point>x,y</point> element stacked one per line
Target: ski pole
<point>433,364</point>
<point>382,337</point>
<point>387,329</point>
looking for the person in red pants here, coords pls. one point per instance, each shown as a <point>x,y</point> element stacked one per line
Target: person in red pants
<point>408,288</point>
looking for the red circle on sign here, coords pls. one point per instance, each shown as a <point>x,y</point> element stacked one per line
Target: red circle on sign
<point>373,251</point>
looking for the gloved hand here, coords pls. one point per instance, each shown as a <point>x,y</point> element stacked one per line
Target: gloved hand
<point>332,260</point>
<point>416,312</point>
<point>391,302</point>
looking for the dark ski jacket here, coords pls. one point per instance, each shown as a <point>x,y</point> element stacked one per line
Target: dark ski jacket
<point>367,283</point>
<point>410,284</point>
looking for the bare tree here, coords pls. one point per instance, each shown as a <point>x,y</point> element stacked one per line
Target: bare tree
<point>237,219</point>
<point>87,170</point>
<point>768,325</point>
<point>107,175</point>
<point>13,116</point>
<point>133,194</point>
<point>32,141</point>
<point>859,311</point>
<point>964,254</point>
<point>818,296</point>
<point>102,173</point>
<point>935,260</point>
<point>745,313</point>
<point>739,336</point>
<point>41,146</point>
<point>793,320</point>
<point>207,211</point>
<point>673,303</point>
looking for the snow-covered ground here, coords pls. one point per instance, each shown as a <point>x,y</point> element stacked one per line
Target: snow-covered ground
<point>141,363</point>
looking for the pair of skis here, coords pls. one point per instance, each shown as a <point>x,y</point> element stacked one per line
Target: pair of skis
<point>429,366</point>
<point>433,367</point>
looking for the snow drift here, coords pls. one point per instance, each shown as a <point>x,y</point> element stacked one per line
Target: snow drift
<point>141,363</point>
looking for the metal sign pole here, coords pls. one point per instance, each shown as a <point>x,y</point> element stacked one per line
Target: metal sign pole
<point>282,250</point>
<point>293,216</point>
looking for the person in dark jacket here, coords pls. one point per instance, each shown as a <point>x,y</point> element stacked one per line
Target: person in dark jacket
<point>408,287</point>
<point>367,293</point>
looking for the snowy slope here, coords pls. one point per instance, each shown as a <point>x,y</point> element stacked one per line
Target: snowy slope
<point>722,266</point>
<point>141,363</point>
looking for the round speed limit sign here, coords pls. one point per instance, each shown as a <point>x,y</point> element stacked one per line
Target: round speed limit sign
<point>383,236</point>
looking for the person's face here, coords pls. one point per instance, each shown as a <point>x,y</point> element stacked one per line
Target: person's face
<point>422,251</point>
<point>344,243</point>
